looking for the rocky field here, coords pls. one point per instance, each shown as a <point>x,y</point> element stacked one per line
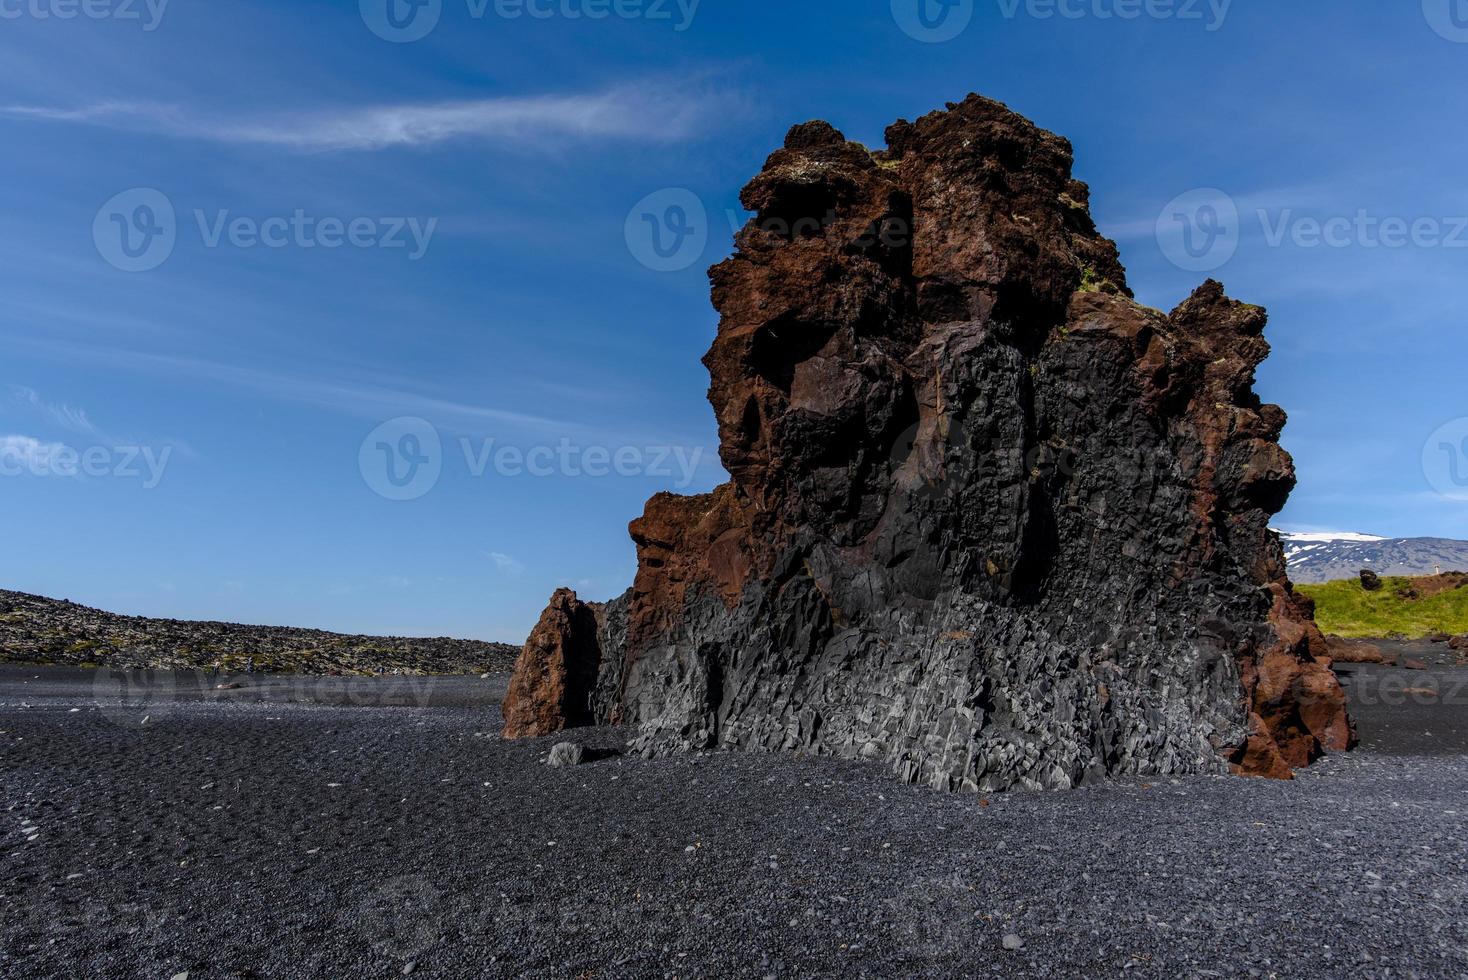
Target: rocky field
<point>37,630</point>
<point>152,825</point>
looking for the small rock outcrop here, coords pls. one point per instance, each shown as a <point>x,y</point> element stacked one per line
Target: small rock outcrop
<point>1370,581</point>
<point>555,677</point>
<point>989,521</point>
<point>564,755</point>
<point>1344,651</point>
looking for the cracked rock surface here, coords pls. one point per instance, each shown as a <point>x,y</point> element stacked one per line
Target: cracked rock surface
<point>990,521</point>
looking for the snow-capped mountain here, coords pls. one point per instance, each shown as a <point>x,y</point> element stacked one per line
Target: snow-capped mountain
<point>1325,556</point>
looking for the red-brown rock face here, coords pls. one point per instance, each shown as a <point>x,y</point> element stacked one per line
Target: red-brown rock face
<point>989,520</point>
<point>555,677</point>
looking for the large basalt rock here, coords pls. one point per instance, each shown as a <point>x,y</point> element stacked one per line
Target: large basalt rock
<point>555,677</point>
<point>990,521</point>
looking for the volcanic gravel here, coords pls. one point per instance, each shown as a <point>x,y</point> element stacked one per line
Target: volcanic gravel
<point>377,828</point>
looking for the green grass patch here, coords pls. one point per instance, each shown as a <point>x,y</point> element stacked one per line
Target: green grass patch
<point>1348,610</point>
<point>1091,282</point>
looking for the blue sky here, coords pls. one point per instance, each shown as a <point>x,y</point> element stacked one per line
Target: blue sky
<point>447,229</point>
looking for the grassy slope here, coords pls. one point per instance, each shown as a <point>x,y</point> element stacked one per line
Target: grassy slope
<point>1346,609</point>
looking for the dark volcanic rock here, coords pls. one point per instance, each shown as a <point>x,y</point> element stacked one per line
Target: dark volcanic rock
<point>1370,581</point>
<point>990,521</point>
<point>555,676</point>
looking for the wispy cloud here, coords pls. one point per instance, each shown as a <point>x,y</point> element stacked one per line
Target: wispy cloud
<point>652,111</point>
<point>506,564</point>
<point>65,416</point>
<point>20,455</point>
<point>366,398</point>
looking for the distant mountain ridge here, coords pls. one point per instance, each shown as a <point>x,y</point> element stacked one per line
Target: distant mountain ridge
<point>34,629</point>
<point>1325,556</point>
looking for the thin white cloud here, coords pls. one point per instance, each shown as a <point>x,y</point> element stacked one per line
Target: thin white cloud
<point>506,564</point>
<point>368,399</point>
<point>27,455</point>
<point>65,416</point>
<point>653,111</point>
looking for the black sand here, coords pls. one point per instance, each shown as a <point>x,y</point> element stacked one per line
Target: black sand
<point>318,834</point>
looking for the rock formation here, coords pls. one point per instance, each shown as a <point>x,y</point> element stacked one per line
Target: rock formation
<point>989,520</point>
<point>555,676</point>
